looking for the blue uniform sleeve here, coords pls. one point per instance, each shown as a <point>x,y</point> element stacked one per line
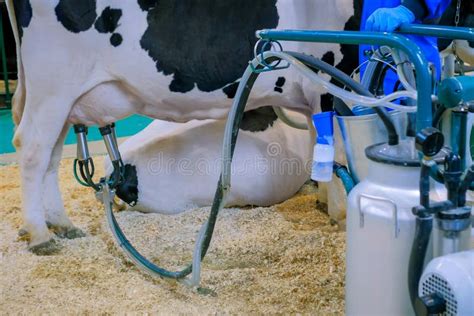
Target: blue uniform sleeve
<point>417,7</point>
<point>426,9</point>
<point>436,8</point>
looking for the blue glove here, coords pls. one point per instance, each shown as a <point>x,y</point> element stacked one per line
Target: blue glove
<point>389,19</point>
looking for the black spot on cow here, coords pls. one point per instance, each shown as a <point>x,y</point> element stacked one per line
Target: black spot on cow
<point>326,102</point>
<point>127,190</point>
<point>146,5</point>
<point>329,58</point>
<point>108,20</point>
<point>258,120</point>
<point>76,16</point>
<point>328,99</point>
<point>23,14</point>
<point>231,90</point>
<point>212,43</point>
<point>116,39</point>
<point>350,55</point>
<point>279,84</point>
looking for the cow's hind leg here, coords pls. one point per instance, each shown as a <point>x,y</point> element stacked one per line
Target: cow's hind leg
<point>39,130</point>
<point>56,217</point>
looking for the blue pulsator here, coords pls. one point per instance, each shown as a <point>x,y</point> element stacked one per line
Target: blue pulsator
<point>323,122</point>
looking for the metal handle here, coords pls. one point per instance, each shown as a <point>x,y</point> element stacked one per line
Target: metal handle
<point>378,199</point>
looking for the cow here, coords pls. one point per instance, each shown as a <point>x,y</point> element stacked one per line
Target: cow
<point>96,61</point>
<point>169,167</point>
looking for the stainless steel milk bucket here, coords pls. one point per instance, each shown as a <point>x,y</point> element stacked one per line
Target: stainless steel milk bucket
<point>360,132</point>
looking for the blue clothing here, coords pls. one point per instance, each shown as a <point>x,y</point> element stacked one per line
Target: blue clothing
<point>436,8</point>
<point>428,45</point>
<point>389,19</point>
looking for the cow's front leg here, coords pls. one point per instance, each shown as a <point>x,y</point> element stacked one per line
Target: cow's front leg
<point>37,135</point>
<point>56,217</point>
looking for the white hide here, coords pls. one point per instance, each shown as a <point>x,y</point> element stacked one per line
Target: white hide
<point>80,78</point>
<point>464,51</point>
<point>178,164</point>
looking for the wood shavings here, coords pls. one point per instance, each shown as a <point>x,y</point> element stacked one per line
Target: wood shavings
<point>276,260</point>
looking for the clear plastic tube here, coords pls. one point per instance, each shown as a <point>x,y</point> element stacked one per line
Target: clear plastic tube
<point>401,71</point>
<point>347,96</point>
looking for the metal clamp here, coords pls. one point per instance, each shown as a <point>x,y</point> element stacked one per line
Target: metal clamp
<point>262,46</point>
<point>378,199</point>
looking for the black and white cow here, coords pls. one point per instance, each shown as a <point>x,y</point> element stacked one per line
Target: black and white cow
<point>97,61</point>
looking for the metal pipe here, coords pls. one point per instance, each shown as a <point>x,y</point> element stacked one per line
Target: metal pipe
<point>438,31</point>
<point>459,133</point>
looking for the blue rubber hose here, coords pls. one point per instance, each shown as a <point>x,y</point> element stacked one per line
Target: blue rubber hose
<point>346,178</point>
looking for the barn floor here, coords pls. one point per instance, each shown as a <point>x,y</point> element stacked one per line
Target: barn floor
<point>282,259</point>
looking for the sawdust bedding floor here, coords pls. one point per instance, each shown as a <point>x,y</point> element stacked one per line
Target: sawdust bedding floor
<point>283,259</point>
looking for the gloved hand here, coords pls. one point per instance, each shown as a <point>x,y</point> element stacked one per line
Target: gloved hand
<point>389,19</point>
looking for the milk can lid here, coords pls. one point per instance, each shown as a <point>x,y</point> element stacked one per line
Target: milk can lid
<point>403,154</point>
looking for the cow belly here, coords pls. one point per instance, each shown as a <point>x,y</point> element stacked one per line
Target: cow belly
<point>104,104</point>
<point>178,165</point>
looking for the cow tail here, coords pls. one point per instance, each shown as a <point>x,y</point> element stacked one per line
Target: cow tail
<point>18,101</point>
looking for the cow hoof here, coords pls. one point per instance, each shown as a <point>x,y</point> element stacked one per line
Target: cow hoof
<point>23,233</point>
<point>74,232</point>
<point>47,248</point>
<point>69,232</point>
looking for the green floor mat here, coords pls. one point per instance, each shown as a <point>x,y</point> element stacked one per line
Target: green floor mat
<point>126,127</point>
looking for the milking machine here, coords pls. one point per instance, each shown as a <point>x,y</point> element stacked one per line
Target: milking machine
<point>409,206</point>
<point>389,238</point>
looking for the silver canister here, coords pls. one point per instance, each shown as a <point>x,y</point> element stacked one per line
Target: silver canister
<point>360,132</point>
